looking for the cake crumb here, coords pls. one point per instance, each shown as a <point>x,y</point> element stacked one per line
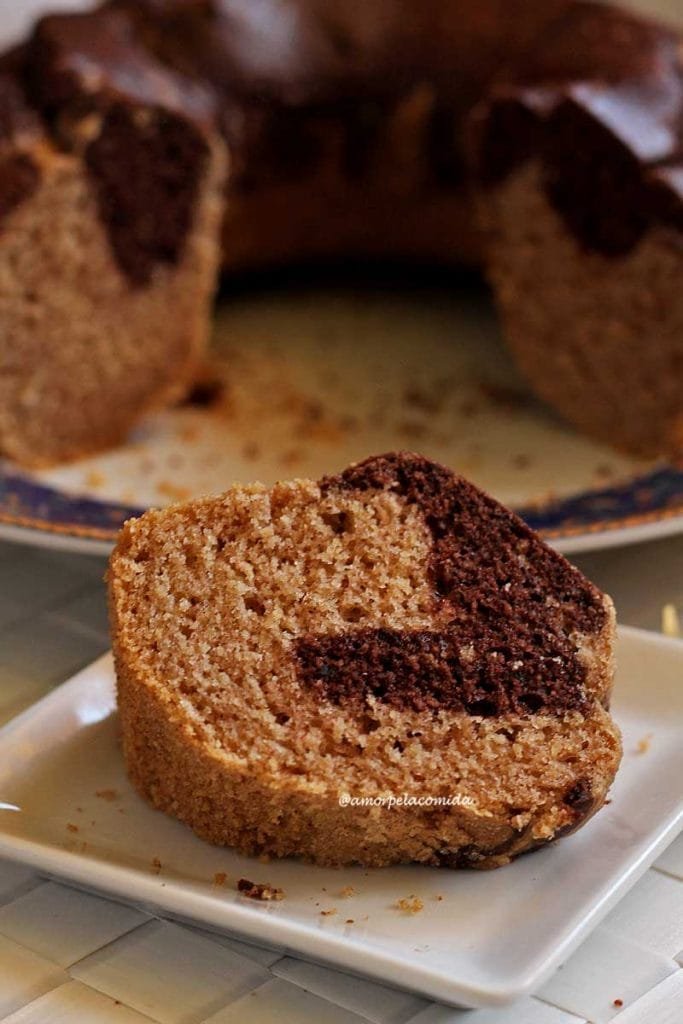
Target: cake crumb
<point>70,827</point>
<point>439,899</point>
<point>410,904</point>
<point>328,913</point>
<point>671,623</point>
<point>259,890</point>
<point>156,865</point>
<point>220,878</point>
<point>349,920</point>
<point>618,1002</point>
<point>95,479</point>
<point>347,891</point>
<point>643,745</point>
<point>107,794</point>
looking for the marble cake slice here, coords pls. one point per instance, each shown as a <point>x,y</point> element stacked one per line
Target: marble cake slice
<point>389,635</point>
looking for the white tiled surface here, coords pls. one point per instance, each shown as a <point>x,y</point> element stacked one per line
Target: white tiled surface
<point>66,956</point>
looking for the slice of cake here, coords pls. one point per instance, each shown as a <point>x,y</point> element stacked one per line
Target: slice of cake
<point>389,635</point>
<point>111,182</point>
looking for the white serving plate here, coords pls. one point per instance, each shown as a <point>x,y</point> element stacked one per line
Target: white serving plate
<point>492,937</point>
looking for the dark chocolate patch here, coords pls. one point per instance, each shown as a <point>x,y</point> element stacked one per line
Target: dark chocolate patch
<point>511,133</point>
<point>20,129</point>
<point>472,855</point>
<point>204,394</point>
<point>141,128</point>
<point>580,796</point>
<point>594,181</point>
<point>19,179</point>
<point>428,671</point>
<point>18,121</point>
<point>508,609</point>
<point>146,166</point>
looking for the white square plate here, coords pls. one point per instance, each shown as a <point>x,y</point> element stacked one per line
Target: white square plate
<point>481,938</point>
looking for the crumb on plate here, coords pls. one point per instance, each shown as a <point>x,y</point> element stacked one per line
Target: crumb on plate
<point>107,794</point>
<point>410,904</point>
<point>259,890</point>
<point>643,744</point>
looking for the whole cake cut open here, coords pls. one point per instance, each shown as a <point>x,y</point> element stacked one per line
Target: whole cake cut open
<point>384,666</point>
<point>158,139</point>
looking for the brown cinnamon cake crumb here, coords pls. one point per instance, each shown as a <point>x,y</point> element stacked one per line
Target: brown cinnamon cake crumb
<point>259,890</point>
<point>410,904</point>
<point>643,745</point>
<point>244,630</point>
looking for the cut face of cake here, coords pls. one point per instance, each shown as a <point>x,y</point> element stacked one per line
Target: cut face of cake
<point>391,632</point>
<point>581,203</point>
<point>109,238</point>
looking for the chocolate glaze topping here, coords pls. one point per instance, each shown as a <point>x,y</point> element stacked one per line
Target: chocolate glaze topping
<point>594,93</point>
<point>19,127</point>
<point>297,79</point>
<point>91,60</point>
<point>507,610</point>
<point>598,101</point>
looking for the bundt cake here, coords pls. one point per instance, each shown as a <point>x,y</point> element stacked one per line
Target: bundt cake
<point>349,131</point>
<point>385,666</point>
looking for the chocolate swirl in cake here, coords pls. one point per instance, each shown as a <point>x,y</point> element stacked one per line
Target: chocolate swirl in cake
<point>508,611</point>
<point>139,125</point>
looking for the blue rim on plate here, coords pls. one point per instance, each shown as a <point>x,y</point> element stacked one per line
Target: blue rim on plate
<point>652,497</point>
